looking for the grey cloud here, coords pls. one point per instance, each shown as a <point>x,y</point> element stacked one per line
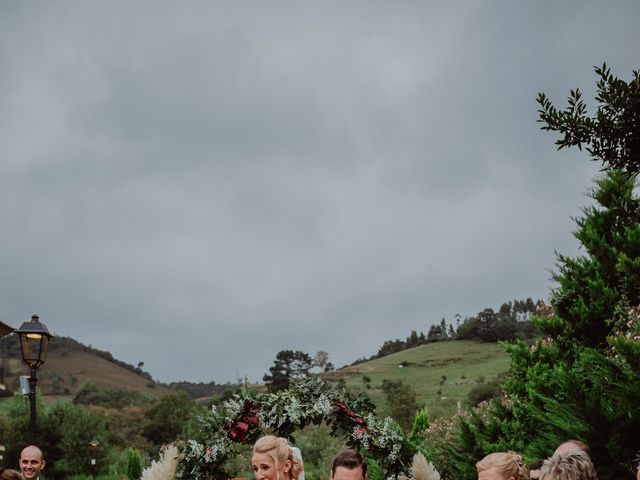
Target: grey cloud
<point>225,180</point>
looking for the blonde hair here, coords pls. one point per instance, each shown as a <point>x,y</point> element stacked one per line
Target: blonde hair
<point>508,464</point>
<point>279,450</point>
<point>572,465</point>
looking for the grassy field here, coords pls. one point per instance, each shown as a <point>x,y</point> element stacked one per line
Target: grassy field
<point>441,373</point>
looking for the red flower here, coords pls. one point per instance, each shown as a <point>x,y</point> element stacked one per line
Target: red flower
<point>239,429</point>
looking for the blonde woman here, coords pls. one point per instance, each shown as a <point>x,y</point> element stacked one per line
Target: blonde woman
<point>273,459</point>
<point>501,466</point>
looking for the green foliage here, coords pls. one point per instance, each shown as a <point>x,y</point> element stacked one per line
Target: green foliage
<point>511,322</point>
<point>612,135</point>
<point>69,429</point>
<point>202,390</point>
<point>91,394</point>
<point>318,447</point>
<point>64,431</point>
<point>402,401</point>
<point>374,470</point>
<point>167,419</point>
<point>134,464</point>
<point>484,391</point>
<point>420,422</point>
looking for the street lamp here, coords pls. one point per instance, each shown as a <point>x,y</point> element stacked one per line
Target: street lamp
<point>93,450</point>
<point>34,344</point>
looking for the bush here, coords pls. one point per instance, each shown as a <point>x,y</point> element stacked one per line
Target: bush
<point>402,401</point>
<point>484,392</point>
<point>134,464</point>
<point>420,422</point>
<point>92,394</point>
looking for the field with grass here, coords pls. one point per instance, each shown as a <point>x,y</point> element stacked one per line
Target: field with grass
<point>441,373</point>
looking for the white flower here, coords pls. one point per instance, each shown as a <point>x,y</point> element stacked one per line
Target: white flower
<point>323,406</point>
<point>293,410</point>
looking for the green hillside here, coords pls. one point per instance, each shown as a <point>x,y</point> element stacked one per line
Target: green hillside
<point>463,363</point>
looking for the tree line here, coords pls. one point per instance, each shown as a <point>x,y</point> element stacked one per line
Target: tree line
<point>511,322</point>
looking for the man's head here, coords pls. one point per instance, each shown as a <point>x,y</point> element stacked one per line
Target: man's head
<point>572,465</point>
<point>349,465</point>
<point>572,445</point>
<point>31,462</point>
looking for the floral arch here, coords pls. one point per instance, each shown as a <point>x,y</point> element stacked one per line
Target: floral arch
<point>247,416</point>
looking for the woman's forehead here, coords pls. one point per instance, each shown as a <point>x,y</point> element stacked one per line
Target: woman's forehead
<point>261,458</point>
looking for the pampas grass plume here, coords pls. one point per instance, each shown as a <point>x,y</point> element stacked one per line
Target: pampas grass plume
<point>165,468</point>
<point>423,470</point>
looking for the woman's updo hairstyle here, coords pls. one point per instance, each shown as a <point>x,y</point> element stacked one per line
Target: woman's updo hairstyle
<point>279,450</point>
<point>508,464</point>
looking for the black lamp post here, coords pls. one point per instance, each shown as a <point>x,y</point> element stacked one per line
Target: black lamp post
<point>34,343</point>
<point>93,450</point>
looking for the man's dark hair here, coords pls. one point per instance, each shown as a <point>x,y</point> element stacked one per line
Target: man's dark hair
<point>349,459</point>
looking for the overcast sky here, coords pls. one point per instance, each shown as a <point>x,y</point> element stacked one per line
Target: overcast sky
<point>199,185</point>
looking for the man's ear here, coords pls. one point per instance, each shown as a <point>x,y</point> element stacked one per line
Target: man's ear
<point>43,464</point>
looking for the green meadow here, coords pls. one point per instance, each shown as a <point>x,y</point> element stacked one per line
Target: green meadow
<point>441,373</point>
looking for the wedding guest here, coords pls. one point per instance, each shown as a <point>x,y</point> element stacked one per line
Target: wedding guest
<point>572,444</point>
<point>31,462</point>
<point>349,465</point>
<point>273,459</point>
<point>571,465</point>
<point>501,466</point>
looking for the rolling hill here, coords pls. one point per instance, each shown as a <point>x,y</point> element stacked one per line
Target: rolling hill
<point>70,364</point>
<point>441,373</point>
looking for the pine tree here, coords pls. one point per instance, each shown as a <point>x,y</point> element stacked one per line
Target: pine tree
<point>134,464</point>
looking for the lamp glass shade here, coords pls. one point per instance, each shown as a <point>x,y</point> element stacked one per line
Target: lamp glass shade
<point>34,342</point>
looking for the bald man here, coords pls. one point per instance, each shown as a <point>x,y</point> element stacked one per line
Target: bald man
<point>31,462</point>
<point>572,445</point>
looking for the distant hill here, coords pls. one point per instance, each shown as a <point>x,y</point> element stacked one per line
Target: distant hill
<point>442,373</point>
<point>70,364</point>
